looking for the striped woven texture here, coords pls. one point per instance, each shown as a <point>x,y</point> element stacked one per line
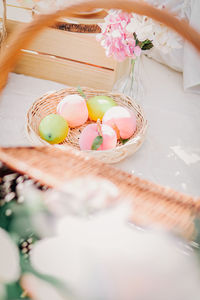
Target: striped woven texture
<point>152,204</point>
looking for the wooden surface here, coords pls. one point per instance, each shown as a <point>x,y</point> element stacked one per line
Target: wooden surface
<point>63,56</point>
<point>89,19</point>
<point>24,4</point>
<point>68,44</point>
<point>64,71</point>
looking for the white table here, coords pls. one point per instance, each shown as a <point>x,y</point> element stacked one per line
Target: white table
<point>170,155</point>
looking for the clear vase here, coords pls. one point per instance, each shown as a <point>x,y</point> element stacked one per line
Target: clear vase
<point>131,83</point>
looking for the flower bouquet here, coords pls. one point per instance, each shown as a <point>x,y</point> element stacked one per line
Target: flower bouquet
<point>123,36</point>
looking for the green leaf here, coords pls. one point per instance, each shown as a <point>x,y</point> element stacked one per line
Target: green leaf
<point>124,141</point>
<point>97,142</point>
<point>80,91</point>
<point>146,45</point>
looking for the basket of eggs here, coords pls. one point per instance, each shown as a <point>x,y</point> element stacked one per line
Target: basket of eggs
<point>106,125</point>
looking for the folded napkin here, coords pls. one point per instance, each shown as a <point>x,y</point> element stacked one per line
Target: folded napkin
<point>180,56</point>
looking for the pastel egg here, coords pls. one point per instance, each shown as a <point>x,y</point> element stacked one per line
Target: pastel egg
<point>53,129</point>
<point>98,105</point>
<point>89,134</point>
<point>122,120</point>
<point>74,110</point>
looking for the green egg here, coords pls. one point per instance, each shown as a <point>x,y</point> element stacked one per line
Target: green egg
<point>53,129</point>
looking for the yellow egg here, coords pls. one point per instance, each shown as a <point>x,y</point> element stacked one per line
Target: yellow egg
<point>98,105</point>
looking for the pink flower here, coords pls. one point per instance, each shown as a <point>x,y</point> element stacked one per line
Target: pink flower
<point>115,38</point>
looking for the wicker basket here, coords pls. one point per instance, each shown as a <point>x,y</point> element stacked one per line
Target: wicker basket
<point>153,205</point>
<point>47,105</point>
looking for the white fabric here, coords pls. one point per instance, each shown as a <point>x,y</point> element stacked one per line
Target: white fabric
<point>103,257</point>
<point>191,67</point>
<point>185,59</point>
<point>170,155</point>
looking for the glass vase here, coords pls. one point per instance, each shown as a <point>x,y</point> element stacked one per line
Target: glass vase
<point>131,83</point>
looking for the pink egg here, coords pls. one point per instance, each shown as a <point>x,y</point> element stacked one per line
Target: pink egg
<point>91,131</point>
<point>74,110</point>
<point>122,120</point>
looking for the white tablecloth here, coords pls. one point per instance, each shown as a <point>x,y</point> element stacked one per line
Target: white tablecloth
<point>170,155</point>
